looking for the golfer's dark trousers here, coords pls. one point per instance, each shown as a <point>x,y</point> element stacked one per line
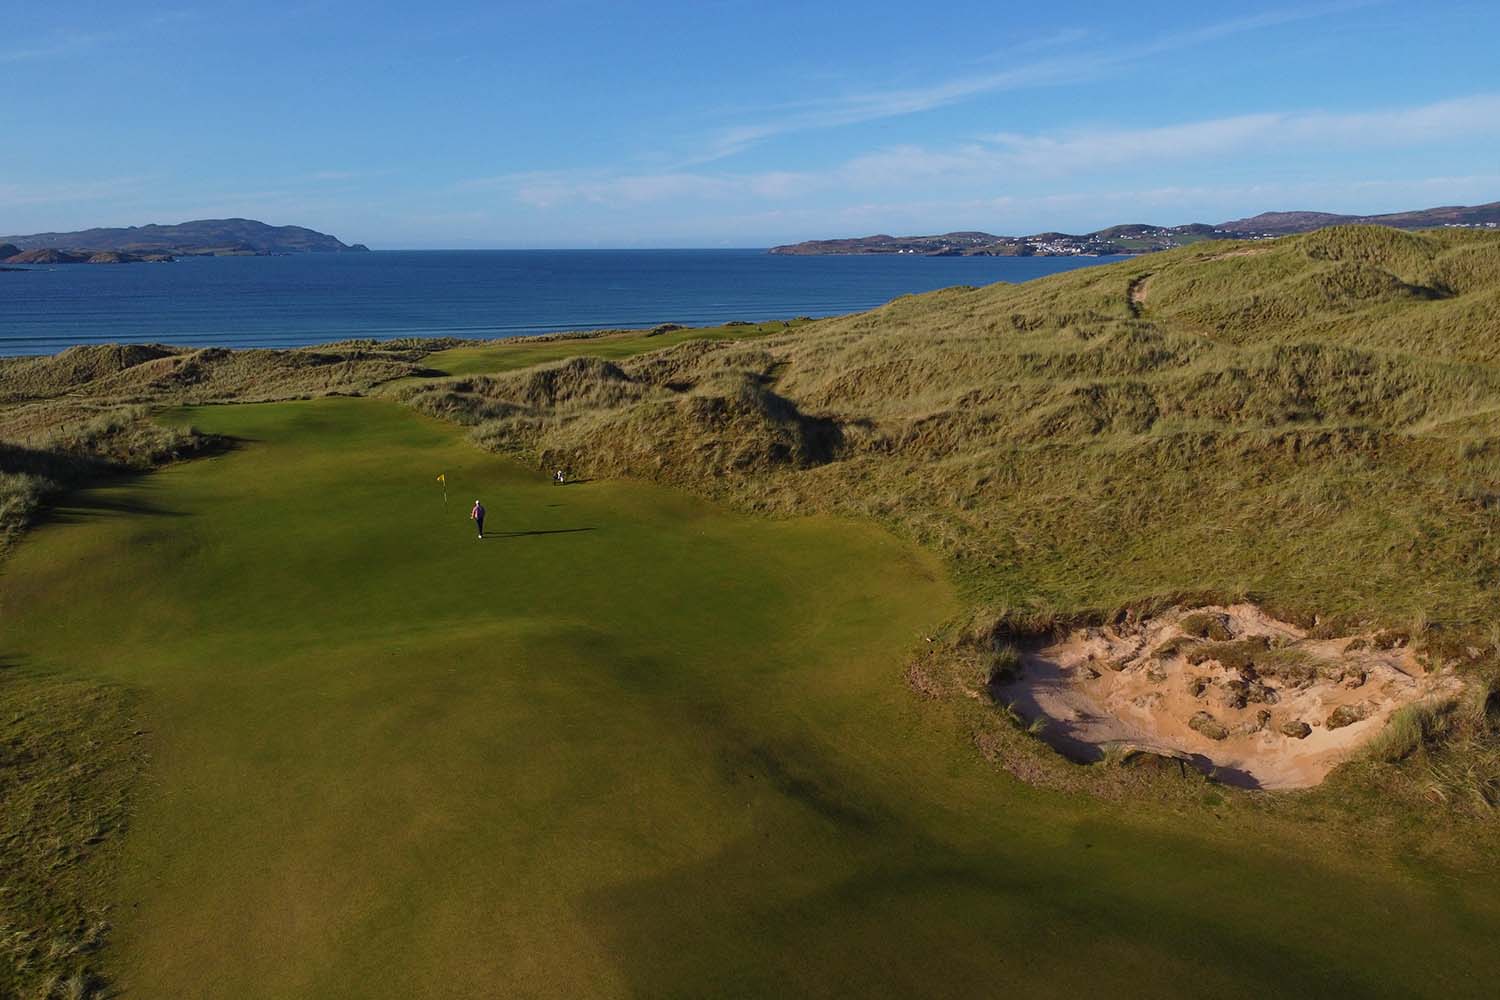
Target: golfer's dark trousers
<point>479,524</point>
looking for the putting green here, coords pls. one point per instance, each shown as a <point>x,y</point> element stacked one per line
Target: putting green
<point>630,744</point>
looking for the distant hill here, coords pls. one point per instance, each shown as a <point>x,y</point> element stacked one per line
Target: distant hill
<point>204,236</point>
<point>1286,223</point>
<point>1141,237</point>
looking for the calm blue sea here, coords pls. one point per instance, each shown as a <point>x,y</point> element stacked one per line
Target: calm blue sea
<point>308,299</point>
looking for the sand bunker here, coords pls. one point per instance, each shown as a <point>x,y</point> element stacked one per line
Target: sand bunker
<point>1231,688</point>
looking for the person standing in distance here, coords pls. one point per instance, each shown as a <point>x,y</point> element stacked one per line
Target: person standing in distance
<point>477,514</point>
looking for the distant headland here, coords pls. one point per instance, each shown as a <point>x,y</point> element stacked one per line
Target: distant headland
<point>1140,237</point>
<point>200,238</point>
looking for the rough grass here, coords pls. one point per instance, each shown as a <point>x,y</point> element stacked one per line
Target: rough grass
<point>1448,749</point>
<point>70,754</point>
<point>1317,423</point>
<point>1206,625</point>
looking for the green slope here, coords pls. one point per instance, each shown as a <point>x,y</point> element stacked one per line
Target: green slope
<point>1312,420</point>
<point>632,744</point>
<point>507,355</point>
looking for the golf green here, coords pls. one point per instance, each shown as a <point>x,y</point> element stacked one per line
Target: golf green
<point>628,744</point>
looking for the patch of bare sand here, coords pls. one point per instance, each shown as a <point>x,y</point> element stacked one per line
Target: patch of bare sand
<point>1239,692</point>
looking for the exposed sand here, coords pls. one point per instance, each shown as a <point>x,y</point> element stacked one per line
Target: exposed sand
<point>1237,712</point>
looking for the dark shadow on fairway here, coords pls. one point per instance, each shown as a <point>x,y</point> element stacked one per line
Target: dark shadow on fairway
<point>808,790</point>
<point>83,474</point>
<point>85,508</point>
<point>995,912</point>
<point>527,534</point>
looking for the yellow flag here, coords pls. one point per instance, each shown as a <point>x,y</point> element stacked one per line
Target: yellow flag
<point>443,479</point>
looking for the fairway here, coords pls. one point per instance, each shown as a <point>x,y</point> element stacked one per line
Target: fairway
<point>631,744</point>
<point>507,355</point>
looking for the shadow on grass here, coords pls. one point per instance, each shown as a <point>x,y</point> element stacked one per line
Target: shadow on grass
<point>528,534</point>
<point>79,508</point>
<point>83,476</point>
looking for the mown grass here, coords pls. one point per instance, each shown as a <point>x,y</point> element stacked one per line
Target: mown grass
<point>631,745</point>
<point>524,352</point>
<point>80,418</point>
<point>84,414</point>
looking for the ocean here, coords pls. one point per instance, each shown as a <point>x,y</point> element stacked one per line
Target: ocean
<point>314,298</point>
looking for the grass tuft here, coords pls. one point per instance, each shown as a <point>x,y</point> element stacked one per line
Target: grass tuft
<point>1004,668</point>
<point>1447,749</point>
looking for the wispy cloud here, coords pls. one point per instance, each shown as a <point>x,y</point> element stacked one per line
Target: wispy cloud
<point>333,176</point>
<point>13,195</point>
<point>1008,159</point>
<point>936,208</point>
<point>59,45</point>
<point>1472,117</point>
<point>67,43</point>
<point>874,105</point>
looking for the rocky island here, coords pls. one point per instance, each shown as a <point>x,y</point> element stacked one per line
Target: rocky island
<point>158,243</point>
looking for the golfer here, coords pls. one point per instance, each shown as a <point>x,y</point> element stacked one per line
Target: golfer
<point>478,516</point>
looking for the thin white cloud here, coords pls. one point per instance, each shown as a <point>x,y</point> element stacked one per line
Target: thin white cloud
<point>1014,159</point>
<point>1254,22</point>
<point>67,43</point>
<point>336,175</point>
<point>1473,117</point>
<point>62,45</point>
<point>931,209</point>
<point>875,105</point>
<point>13,195</point>
<point>1085,211</point>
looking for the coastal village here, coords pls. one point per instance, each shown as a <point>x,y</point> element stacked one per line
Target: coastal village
<point>1139,238</point>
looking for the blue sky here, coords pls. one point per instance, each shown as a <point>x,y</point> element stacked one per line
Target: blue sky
<point>456,124</point>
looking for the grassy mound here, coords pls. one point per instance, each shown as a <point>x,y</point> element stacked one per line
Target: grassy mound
<point>613,345</point>
<point>1315,419</point>
<point>83,414</point>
